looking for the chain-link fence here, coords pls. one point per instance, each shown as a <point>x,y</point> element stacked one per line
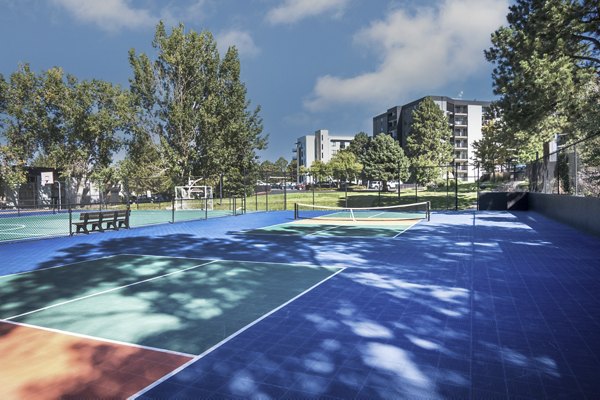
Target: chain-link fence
<point>573,169</point>
<point>34,209</point>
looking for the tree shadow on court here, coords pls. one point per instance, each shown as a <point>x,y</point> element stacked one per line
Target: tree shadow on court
<point>445,310</point>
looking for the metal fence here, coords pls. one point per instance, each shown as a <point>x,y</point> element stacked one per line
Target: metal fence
<point>573,169</point>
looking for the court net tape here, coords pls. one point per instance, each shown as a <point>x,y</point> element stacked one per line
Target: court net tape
<point>388,213</point>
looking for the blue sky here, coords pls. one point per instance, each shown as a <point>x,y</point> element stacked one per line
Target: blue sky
<point>310,64</point>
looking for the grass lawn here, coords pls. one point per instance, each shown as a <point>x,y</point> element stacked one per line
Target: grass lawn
<point>439,198</point>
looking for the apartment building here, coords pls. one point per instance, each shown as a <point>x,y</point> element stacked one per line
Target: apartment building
<point>319,146</point>
<point>466,118</point>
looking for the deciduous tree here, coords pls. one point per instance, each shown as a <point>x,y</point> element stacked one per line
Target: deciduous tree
<point>429,142</point>
<point>195,105</point>
<point>385,160</point>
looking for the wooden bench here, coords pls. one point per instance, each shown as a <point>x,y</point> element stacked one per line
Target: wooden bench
<point>120,219</point>
<point>91,221</point>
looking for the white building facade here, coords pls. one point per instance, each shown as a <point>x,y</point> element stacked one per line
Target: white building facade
<point>466,119</point>
<point>320,146</point>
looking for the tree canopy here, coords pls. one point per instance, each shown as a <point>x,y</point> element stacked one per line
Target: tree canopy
<point>547,63</point>
<point>385,160</point>
<point>345,166</point>
<point>429,143</point>
<point>54,119</point>
<point>194,104</point>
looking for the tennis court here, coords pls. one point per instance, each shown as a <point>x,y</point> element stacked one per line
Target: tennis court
<point>466,305</point>
<point>176,306</point>
<point>314,220</point>
<point>46,223</point>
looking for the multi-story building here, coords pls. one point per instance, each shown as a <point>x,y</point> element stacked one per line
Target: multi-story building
<point>319,146</point>
<point>466,118</point>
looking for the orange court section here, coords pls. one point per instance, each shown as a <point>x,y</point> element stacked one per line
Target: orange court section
<point>40,364</point>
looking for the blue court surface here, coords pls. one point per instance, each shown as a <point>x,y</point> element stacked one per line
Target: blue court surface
<point>475,305</point>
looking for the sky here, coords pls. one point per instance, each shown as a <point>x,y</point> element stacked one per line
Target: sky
<point>309,64</point>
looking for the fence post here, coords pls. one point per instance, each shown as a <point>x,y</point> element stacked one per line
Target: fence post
<point>284,191</point>
<point>267,186</point>
<point>478,187</point>
<point>172,210</point>
<point>455,186</point>
<point>447,187</point>
<point>416,191</point>
<point>575,162</point>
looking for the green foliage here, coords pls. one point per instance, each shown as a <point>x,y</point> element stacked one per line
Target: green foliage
<point>71,125</point>
<point>23,116</point>
<point>492,149</point>
<point>429,142</point>
<point>320,171</point>
<point>281,164</point>
<point>546,71</point>
<point>86,119</point>
<point>385,160</point>
<point>194,105</point>
<point>359,145</point>
<point>562,174</point>
<point>345,166</point>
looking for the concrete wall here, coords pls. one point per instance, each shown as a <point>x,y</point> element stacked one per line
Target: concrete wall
<point>500,201</point>
<point>580,212</point>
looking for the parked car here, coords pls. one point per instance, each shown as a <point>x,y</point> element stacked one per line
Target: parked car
<point>374,185</point>
<point>392,186</point>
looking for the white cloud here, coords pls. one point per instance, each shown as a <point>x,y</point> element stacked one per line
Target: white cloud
<point>109,15</point>
<point>115,15</point>
<point>294,10</point>
<point>419,52</point>
<point>240,39</point>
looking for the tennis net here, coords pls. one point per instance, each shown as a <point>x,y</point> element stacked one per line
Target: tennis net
<point>388,213</point>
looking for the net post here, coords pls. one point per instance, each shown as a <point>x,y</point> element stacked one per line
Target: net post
<point>428,211</point>
<point>295,210</point>
<point>205,208</point>
<point>70,221</point>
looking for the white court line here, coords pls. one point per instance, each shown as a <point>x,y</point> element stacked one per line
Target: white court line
<point>229,338</point>
<point>15,227</point>
<point>400,233</point>
<point>106,291</point>
<point>323,230</point>
<point>226,260</point>
<point>22,234</point>
<point>375,215</point>
<point>80,335</point>
<point>57,266</point>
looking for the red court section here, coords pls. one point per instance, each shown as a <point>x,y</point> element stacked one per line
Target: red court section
<point>39,364</point>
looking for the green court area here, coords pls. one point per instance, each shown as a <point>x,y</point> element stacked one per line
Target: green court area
<point>178,304</point>
<point>48,223</point>
<point>152,217</point>
<point>34,225</point>
<point>336,228</point>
